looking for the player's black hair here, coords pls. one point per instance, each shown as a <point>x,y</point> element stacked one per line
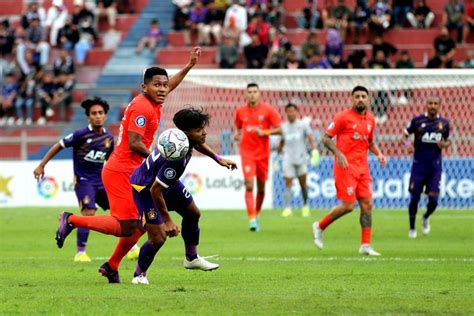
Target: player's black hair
<point>359,88</point>
<point>88,103</point>
<point>189,118</point>
<point>253,84</point>
<point>291,105</point>
<point>153,71</point>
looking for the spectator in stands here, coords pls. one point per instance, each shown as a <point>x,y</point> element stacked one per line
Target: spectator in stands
<point>213,24</point>
<point>379,61</point>
<point>45,92</point>
<point>309,17</point>
<point>400,8</point>
<point>33,10</point>
<point>26,99</point>
<point>228,53</point>
<point>55,20</point>
<point>360,20</point>
<point>379,44</point>
<point>29,66</point>
<point>357,59</point>
<point>421,16</point>
<point>181,14</point>
<point>35,37</point>
<point>7,38</point>
<point>445,48</point>
<point>334,48</point>
<point>197,18</point>
<point>87,37</point>
<point>338,17</point>
<point>274,14</point>
<point>106,8</point>
<point>469,61</point>
<point>62,98</point>
<point>152,38</point>
<point>292,61</point>
<point>81,13</point>
<point>380,17</point>
<point>280,47</point>
<point>453,17</point>
<point>258,26</point>
<point>310,47</point>
<point>469,21</point>
<point>404,61</point>
<point>111,39</point>
<point>68,35</point>
<point>318,61</point>
<point>64,64</point>
<point>255,53</point>
<point>240,15</point>
<point>232,31</point>
<point>7,100</point>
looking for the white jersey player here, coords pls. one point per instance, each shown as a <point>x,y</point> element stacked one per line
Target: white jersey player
<point>295,133</point>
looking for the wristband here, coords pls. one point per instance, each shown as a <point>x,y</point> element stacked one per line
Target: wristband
<point>216,157</point>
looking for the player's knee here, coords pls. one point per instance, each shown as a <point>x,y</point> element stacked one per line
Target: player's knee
<point>433,200</point>
<point>128,228</point>
<point>348,207</point>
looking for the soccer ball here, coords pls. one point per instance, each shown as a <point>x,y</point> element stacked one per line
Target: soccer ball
<point>173,144</point>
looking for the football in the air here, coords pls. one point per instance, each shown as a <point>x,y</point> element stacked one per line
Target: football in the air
<point>173,144</point>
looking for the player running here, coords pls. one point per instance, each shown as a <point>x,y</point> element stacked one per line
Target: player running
<point>92,146</point>
<point>138,127</point>
<point>354,129</point>
<point>431,132</point>
<point>295,132</point>
<point>158,190</point>
<point>255,121</point>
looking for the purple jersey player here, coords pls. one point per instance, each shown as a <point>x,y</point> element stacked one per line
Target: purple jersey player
<point>157,190</point>
<point>431,132</point>
<point>92,145</point>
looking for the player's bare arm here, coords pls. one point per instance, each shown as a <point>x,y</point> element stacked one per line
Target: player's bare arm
<point>443,144</point>
<point>237,134</point>
<point>267,132</point>
<point>135,143</point>
<point>281,144</point>
<point>341,159</point>
<point>206,150</point>
<point>171,229</point>
<point>39,170</point>
<point>179,76</point>
<point>376,151</point>
<point>405,141</point>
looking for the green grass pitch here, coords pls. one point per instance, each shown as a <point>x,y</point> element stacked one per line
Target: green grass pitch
<point>277,271</point>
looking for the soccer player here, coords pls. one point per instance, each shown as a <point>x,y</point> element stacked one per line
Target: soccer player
<point>354,129</point>
<point>158,190</point>
<point>431,132</point>
<point>255,121</point>
<point>139,124</point>
<point>92,146</point>
<point>295,132</point>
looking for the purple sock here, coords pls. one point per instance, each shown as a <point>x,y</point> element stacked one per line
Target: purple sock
<point>82,236</point>
<point>191,252</point>
<point>147,254</point>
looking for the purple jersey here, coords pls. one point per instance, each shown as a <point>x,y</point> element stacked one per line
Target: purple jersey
<point>428,133</point>
<point>90,151</point>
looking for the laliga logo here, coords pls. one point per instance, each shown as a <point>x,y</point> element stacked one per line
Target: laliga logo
<point>47,187</point>
<point>192,182</point>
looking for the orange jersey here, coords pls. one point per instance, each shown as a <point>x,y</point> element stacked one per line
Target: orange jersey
<point>141,116</point>
<point>354,132</point>
<point>263,116</point>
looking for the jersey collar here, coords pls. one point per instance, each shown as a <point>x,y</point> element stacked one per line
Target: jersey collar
<point>426,115</point>
<point>91,129</point>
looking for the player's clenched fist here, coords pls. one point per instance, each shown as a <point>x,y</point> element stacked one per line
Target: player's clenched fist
<point>171,229</point>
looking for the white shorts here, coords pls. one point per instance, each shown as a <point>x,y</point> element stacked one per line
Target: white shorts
<point>290,170</point>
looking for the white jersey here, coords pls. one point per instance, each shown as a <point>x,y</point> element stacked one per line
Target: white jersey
<point>295,135</point>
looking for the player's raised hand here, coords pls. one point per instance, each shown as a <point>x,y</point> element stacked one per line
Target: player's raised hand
<point>342,161</point>
<point>229,164</point>
<point>195,54</point>
<point>39,172</point>
<point>171,229</point>
<point>383,160</point>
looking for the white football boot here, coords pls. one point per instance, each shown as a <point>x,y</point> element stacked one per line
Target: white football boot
<point>318,235</point>
<point>140,279</point>
<point>366,249</point>
<point>200,263</point>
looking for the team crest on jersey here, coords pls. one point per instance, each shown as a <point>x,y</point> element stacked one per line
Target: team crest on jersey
<point>354,126</point>
<point>86,200</point>
<point>140,121</point>
<point>107,143</point>
<point>350,190</point>
<point>170,173</point>
<point>152,214</point>
<point>369,128</point>
<point>440,126</point>
<point>260,118</point>
<point>356,135</point>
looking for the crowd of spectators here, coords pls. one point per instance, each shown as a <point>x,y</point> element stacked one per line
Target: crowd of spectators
<point>32,76</point>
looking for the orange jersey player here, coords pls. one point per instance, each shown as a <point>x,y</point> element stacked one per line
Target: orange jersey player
<point>139,125</point>
<point>255,121</point>
<point>354,130</point>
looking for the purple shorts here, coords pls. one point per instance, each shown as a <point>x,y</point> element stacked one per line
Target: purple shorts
<point>177,198</point>
<point>88,195</point>
<point>424,177</point>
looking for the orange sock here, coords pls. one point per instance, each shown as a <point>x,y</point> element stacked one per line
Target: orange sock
<point>325,222</point>
<point>250,204</point>
<point>365,236</point>
<point>105,224</point>
<point>123,247</point>
<point>259,201</point>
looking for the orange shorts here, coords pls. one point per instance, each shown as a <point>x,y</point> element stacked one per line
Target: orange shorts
<point>352,185</point>
<point>252,168</point>
<point>119,191</point>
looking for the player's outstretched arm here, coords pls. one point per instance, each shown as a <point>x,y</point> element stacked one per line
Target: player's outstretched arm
<point>178,77</point>
<point>341,159</point>
<point>156,190</point>
<point>39,170</point>
<point>205,149</point>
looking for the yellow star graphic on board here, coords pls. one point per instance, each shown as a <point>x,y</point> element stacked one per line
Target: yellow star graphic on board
<point>4,185</point>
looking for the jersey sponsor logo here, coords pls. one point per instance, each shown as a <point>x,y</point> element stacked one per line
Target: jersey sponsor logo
<point>170,173</point>
<point>431,137</point>
<point>140,121</point>
<point>95,156</point>
<point>331,126</point>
